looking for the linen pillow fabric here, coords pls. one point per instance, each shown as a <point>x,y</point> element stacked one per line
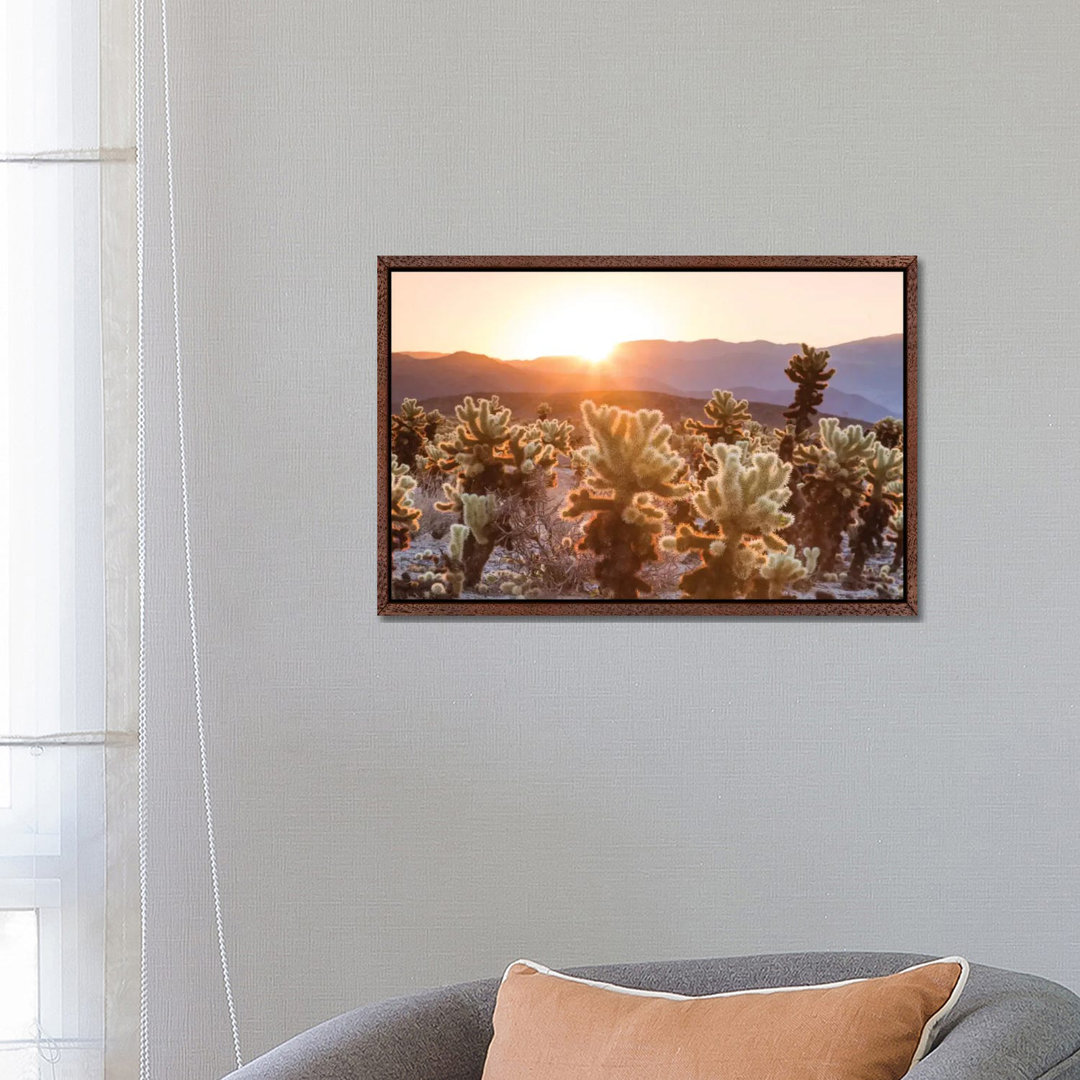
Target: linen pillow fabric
<point>550,1026</point>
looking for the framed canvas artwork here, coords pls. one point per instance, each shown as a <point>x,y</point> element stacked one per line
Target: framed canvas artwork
<point>647,435</point>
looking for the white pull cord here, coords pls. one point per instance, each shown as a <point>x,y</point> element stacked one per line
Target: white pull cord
<point>197,680</point>
<point>140,456</point>
<point>140,95</point>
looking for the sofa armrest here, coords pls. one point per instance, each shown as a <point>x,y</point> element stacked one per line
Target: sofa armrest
<point>438,1035</point>
<point>1007,1026</point>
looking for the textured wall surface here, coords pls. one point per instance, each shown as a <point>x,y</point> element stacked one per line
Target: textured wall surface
<point>405,803</point>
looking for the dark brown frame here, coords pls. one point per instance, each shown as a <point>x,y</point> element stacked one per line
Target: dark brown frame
<point>907,606</point>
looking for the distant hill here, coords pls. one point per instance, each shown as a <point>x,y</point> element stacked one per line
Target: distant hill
<point>872,368</point>
<point>456,373</point>
<point>836,402</point>
<point>868,383</point>
<point>567,406</point>
<point>422,355</point>
<point>463,373</point>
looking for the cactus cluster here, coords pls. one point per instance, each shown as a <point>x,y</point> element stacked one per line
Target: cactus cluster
<point>833,472</point>
<point>724,509</point>
<point>730,419</point>
<point>743,500</point>
<point>784,570</point>
<point>889,432</point>
<point>896,524</point>
<point>404,517</point>
<point>628,461</point>
<point>881,500</point>
<point>489,457</point>
<point>412,429</point>
<point>442,576</point>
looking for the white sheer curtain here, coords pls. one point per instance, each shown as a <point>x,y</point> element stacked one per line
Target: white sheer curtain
<point>59,245</point>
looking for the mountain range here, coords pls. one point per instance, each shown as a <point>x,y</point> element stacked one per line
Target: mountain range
<point>868,383</point>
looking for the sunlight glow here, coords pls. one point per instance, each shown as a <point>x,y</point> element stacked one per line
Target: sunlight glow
<point>588,324</point>
<point>522,314</point>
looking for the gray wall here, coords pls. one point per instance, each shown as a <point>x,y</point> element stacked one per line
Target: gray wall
<point>409,803</point>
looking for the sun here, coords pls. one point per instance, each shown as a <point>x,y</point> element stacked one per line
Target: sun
<point>586,324</point>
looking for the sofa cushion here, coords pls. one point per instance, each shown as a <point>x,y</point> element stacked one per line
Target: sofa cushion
<point>551,1026</point>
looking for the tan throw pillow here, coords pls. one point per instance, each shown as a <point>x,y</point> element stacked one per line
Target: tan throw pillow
<point>550,1026</point>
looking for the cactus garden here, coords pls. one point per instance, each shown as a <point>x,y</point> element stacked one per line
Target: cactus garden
<point>563,479</point>
<point>629,504</point>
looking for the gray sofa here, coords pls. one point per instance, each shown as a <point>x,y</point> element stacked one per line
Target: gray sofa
<point>1005,1027</point>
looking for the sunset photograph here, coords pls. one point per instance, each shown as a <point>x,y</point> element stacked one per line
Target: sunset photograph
<point>673,436</point>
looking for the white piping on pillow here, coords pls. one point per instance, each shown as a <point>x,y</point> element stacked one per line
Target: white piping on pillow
<point>921,1050</point>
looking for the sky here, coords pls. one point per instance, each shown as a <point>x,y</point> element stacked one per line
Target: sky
<point>522,314</point>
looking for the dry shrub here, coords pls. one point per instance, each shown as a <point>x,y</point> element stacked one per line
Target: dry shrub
<point>433,522</point>
<point>542,542</point>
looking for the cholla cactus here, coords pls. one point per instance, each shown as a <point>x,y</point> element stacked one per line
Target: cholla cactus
<point>516,584</point>
<point>896,523</point>
<point>832,487</point>
<point>745,498</point>
<point>486,454</point>
<point>486,530</point>
<point>884,469</point>
<point>479,514</point>
<point>784,568</point>
<point>440,577</point>
<point>579,464</point>
<point>889,431</point>
<point>543,411</point>
<point>558,434</point>
<point>404,517</point>
<point>411,429</point>
<point>629,460</point>
<point>807,372</point>
<point>428,464</point>
<point>449,584</point>
<point>730,418</point>
<point>691,447</point>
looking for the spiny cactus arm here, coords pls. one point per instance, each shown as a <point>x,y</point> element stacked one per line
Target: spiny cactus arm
<point>452,503</point>
<point>478,512</point>
<point>643,513</point>
<point>583,501</point>
<point>456,548</point>
<point>687,538</point>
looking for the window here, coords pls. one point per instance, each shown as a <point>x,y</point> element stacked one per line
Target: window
<point>52,591</point>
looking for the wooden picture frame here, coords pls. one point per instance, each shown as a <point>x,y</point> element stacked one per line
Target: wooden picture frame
<point>885,595</point>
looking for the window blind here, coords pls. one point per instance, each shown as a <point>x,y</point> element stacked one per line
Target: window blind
<point>62,191</point>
